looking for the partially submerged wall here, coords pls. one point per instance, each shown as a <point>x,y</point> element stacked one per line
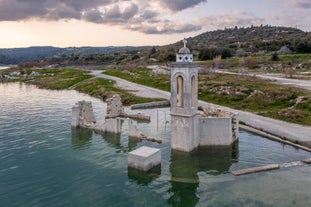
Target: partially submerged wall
<point>215,131</point>
<point>217,127</point>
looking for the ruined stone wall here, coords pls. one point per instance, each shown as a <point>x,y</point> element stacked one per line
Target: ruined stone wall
<point>114,107</point>
<point>83,115</point>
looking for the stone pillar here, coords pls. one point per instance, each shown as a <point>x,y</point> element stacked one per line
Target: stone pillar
<point>75,120</point>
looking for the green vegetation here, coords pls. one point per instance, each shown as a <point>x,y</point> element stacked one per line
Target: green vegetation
<point>274,63</point>
<point>239,92</point>
<point>81,80</point>
<point>61,78</point>
<point>142,76</point>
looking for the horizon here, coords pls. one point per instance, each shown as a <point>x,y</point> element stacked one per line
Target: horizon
<point>99,46</point>
<point>104,23</point>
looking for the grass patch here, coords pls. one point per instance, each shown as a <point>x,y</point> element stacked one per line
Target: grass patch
<point>142,76</point>
<point>62,78</point>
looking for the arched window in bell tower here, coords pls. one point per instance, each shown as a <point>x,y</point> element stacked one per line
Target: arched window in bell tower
<point>180,91</point>
<point>193,91</point>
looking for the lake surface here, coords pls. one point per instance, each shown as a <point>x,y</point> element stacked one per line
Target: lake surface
<point>44,162</point>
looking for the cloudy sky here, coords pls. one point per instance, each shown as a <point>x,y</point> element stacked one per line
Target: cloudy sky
<point>66,23</point>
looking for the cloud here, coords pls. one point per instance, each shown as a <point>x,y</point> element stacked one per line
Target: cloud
<point>223,20</point>
<point>300,4</point>
<point>178,5</point>
<point>144,16</point>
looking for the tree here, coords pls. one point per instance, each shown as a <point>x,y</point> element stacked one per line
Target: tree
<point>275,57</point>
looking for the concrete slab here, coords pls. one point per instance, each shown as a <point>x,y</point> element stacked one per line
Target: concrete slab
<point>255,169</point>
<point>144,158</point>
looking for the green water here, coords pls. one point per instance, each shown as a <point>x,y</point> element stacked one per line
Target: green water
<point>44,162</point>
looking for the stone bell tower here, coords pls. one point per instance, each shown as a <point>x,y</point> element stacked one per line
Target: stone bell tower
<point>184,101</point>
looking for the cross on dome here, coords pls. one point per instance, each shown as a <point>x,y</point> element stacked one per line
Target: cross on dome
<point>184,54</point>
<point>185,42</point>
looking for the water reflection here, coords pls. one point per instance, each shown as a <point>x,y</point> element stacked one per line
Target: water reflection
<point>120,142</point>
<point>144,178</point>
<point>185,167</point>
<point>81,137</point>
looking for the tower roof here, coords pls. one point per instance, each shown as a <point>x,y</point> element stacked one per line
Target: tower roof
<point>184,54</point>
<point>185,49</point>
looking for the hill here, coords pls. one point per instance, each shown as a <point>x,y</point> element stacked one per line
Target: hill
<point>21,55</point>
<point>227,43</point>
<point>249,41</point>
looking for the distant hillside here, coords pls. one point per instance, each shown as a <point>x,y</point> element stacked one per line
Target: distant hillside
<point>232,37</point>
<point>251,40</point>
<point>227,43</point>
<point>21,55</point>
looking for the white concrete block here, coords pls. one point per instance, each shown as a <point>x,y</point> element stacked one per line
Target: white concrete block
<point>144,158</point>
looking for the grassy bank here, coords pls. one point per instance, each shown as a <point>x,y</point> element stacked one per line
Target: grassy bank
<point>239,92</point>
<point>66,78</point>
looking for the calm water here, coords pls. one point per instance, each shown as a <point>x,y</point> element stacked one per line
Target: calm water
<point>43,162</point>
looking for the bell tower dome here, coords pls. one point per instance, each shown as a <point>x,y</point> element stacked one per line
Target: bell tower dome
<point>184,54</point>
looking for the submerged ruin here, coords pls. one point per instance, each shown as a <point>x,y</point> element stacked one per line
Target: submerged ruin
<point>191,127</point>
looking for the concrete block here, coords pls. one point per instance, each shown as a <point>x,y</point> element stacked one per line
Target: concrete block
<point>144,158</point>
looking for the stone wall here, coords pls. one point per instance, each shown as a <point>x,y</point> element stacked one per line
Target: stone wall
<point>215,131</point>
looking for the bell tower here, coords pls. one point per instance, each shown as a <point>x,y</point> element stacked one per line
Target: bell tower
<point>184,101</point>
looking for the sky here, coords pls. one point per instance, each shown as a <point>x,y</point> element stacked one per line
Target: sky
<point>75,23</point>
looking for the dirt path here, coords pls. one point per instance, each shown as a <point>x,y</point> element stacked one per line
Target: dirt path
<point>292,132</point>
<point>305,84</point>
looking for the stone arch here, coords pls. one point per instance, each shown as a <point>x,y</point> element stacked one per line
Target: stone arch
<point>193,91</point>
<point>180,91</point>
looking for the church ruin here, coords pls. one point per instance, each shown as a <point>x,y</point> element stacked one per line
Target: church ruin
<point>191,129</point>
